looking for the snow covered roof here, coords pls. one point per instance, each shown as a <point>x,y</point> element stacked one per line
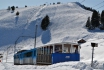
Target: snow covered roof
<point>57,44</point>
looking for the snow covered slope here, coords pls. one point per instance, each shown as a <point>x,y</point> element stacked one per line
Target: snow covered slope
<point>67,24</point>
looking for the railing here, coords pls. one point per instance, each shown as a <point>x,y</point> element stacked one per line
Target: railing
<point>44,59</point>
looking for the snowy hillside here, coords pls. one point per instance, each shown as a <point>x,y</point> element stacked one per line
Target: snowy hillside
<point>67,24</point>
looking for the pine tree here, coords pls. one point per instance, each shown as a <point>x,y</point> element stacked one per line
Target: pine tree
<point>17,13</point>
<point>13,8</point>
<point>45,22</point>
<point>95,20</point>
<point>16,6</point>
<point>25,5</point>
<point>102,18</point>
<point>88,23</point>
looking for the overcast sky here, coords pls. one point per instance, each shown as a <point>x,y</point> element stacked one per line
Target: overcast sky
<point>21,3</point>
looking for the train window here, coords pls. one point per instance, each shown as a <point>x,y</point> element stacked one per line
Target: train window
<point>45,50</point>
<point>58,48</point>
<point>34,53</point>
<point>20,55</point>
<point>76,48</point>
<point>51,49</point>
<point>28,54</point>
<point>16,56</point>
<point>67,48</point>
<point>38,51</point>
<point>42,50</point>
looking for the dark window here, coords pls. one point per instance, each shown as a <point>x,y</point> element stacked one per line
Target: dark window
<point>20,55</point>
<point>58,48</point>
<point>34,53</point>
<point>16,56</point>
<point>28,54</point>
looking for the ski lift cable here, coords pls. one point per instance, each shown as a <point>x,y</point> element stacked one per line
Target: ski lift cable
<point>98,4</point>
<point>86,13</point>
<point>82,1</point>
<point>82,15</point>
<point>100,7</point>
<point>21,37</point>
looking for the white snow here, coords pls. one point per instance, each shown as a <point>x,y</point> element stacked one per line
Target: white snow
<point>67,24</point>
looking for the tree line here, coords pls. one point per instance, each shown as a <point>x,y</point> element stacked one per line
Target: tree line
<point>96,21</point>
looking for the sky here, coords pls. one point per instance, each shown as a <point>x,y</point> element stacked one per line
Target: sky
<point>21,3</point>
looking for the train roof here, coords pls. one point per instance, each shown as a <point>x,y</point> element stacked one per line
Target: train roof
<point>57,44</point>
<point>24,51</point>
<point>48,45</point>
<point>21,51</point>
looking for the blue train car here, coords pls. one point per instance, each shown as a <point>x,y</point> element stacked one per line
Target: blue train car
<point>25,57</point>
<point>58,52</point>
<point>57,57</point>
<point>49,54</point>
<point>18,57</point>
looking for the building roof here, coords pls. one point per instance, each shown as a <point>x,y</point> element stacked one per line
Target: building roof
<point>81,41</point>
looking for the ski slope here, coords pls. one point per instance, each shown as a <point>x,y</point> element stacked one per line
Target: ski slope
<point>67,24</point>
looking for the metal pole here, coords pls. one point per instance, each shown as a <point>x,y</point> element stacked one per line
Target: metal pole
<point>35,36</point>
<point>15,44</point>
<point>3,54</point>
<point>7,55</point>
<point>14,48</point>
<point>92,56</point>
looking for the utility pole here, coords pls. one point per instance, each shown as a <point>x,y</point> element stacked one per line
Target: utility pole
<point>7,54</point>
<point>93,45</point>
<point>92,56</point>
<point>35,35</point>
<point>3,54</point>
